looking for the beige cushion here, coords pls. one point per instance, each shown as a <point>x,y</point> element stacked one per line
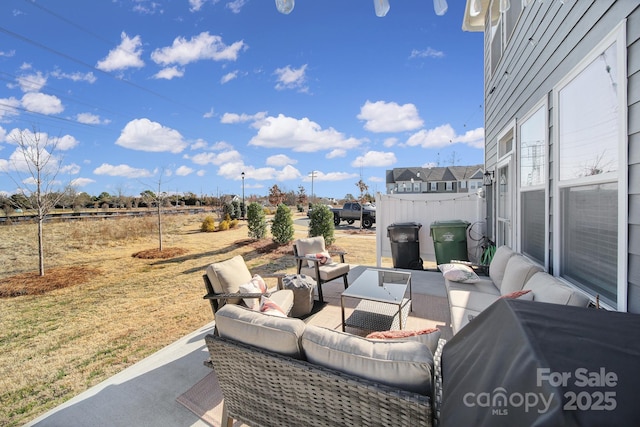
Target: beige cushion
<point>277,334</point>
<point>310,245</point>
<point>546,288</point>
<point>518,271</point>
<point>484,285</point>
<point>407,365</point>
<point>476,301</point>
<point>460,317</point>
<point>327,272</point>
<point>499,264</point>
<point>284,298</point>
<point>227,276</point>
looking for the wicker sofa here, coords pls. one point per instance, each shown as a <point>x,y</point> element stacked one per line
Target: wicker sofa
<point>510,274</point>
<point>276,371</point>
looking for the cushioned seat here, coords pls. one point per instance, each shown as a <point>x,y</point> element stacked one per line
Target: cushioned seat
<point>312,260</point>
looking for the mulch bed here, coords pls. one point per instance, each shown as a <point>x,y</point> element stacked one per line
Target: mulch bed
<point>54,278</point>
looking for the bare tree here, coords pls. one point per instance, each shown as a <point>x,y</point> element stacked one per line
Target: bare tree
<point>158,199</point>
<point>35,157</point>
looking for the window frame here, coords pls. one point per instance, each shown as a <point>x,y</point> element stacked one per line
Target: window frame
<point>617,36</point>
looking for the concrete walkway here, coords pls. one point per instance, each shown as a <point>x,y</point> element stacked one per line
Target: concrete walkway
<point>145,393</point>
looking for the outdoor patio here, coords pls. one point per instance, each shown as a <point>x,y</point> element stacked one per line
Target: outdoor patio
<point>159,390</point>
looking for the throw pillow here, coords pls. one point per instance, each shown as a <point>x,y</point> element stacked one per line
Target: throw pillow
<point>267,306</point>
<point>256,285</point>
<point>459,273</point>
<point>523,295</point>
<point>428,336</point>
<point>323,257</point>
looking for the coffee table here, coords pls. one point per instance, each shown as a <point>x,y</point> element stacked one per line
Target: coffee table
<point>382,305</point>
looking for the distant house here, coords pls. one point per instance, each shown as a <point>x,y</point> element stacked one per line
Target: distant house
<point>562,138</point>
<point>449,179</point>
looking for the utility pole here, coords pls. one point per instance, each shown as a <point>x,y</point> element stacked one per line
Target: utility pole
<point>312,174</point>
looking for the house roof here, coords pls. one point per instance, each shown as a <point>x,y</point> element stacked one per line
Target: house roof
<point>442,173</point>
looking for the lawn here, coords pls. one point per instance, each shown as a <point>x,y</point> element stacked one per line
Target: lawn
<point>100,309</point>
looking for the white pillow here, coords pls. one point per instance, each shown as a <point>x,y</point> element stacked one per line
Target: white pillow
<point>323,257</point>
<point>256,285</point>
<point>459,273</point>
<point>268,306</point>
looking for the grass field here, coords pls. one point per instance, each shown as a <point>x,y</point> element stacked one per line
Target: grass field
<point>110,309</point>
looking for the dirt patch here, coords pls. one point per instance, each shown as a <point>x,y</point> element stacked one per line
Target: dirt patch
<point>160,254</point>
<point>54,278</point>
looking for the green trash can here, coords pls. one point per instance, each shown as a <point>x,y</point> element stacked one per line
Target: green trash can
<point>450,240</point>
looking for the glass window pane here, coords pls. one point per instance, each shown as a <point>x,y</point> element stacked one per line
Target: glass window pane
<point>532,149</point>
<point>588,112</point>
<point>590,238</point>
<point>533,222</point>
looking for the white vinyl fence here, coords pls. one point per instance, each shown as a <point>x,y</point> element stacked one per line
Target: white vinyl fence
<point>425,209</point>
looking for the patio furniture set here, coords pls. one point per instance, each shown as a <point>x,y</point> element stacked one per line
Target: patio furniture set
<point>277,370</point>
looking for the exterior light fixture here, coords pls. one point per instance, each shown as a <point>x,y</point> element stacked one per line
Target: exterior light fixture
<point>381,7</point>
<point>285,6</point>
<point>475,8</point>
<point>487,178</point>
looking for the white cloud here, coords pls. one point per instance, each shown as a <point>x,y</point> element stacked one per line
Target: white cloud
<point>383,116</point>
<point>196,5</point>
<point>228,77</point>
<point>445,135</point>
<point>125,171</point>
<point>300,135</point>
<point>184,171</point>
<point>145,135</point>
<point>65,143</point>
<point>82,182</point>
<point>8,107</point>
<point>202,46</point>
<point>375,179</point>
<point>126,55</point>
<point>375,159</point>
<point>42,103</point>
<point>338,152</point>
<point>233,170</point>
<point>72,169</point>
<point>231,118</point>
<point>390,142</point>
<point>209,114</point>
<point>236,5</point>
<point>427,53</point>
<point>32,82</point>
<point>292,78</point>
<point>231,156</point>
<point>76,77</point>
<point>331,176</point>
<point>91,119</point>
<point>201,173</point>
<point>280,160</point>
<point>199,144</point>
<point>169,73</point>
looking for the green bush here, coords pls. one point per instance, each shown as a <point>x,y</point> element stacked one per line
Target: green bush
<point>282,225</point>
<point>208,224</point>
<point>321,223</point>
<point>256,221</point>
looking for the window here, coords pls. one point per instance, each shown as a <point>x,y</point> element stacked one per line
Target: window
<point>417,187</point>
<point>502,29</point>
<point>449,186</point>
<point>433,186</point>
<point>532,146</point>
<point>591,192</point>
<point>463,184</point>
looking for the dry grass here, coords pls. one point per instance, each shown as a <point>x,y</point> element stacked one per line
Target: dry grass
<point>103,309</point>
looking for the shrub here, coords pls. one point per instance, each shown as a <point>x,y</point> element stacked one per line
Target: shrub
<point>282,225</point>
<point>224,225</point>
<point>208,224</point>
<point>234,223</point>
<point>321,223</point>
<point>255,221</point>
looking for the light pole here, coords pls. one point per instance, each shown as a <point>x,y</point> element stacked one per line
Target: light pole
<point>312,174</point>
<point>242,209</point>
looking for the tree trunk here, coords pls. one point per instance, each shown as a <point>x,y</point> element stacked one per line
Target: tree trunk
<point>160,224</point>
<point>40,245</point>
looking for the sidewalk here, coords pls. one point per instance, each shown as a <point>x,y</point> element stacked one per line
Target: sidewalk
<point>143,394</point>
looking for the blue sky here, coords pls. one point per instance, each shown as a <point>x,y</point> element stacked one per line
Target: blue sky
<point>191,93</point>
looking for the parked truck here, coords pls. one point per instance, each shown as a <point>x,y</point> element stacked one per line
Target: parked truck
<point>350,212</point>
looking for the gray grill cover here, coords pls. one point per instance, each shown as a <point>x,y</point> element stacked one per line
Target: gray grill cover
<point>523,363</point>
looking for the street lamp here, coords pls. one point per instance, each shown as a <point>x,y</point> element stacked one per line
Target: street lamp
<point>243,208</point>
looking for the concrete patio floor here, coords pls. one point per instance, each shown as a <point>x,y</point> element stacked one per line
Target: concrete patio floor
<point>145,393</point>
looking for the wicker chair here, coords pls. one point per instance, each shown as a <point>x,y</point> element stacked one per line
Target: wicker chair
<point>269,389</point>
<point>321,273</point>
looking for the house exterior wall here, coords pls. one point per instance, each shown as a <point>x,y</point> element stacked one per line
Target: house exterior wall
<point>548,41</point>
